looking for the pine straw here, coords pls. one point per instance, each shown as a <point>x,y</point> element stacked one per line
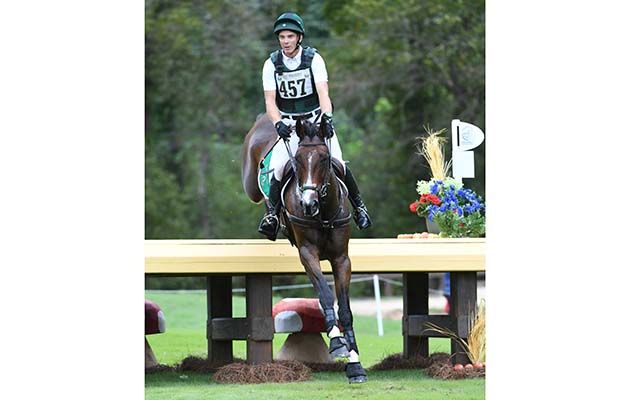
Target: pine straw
<point>277,372</point>
<point>397,361</point>
<point>438,365</point>
<point>160,368</point>
<point>444,370</point>
<point>338,366</point>
<point>188,364</point>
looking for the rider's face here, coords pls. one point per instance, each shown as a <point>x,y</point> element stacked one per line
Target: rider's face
<point>288,41</point>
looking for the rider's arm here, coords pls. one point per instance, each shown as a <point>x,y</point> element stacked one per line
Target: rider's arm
<point>320,75</point>
<point>269,86</point>
<point>324,100</point>
<point>270,104</point>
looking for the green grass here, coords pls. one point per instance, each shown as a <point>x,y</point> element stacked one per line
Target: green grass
<point>185,335</point>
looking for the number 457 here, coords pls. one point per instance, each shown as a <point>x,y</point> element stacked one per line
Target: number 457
<point>290,88</point>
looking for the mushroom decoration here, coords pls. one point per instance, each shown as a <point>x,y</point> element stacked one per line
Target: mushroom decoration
<point>304,320</point>
<point>154,322</point>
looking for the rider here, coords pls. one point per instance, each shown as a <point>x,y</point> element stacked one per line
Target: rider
<point>295,82</point>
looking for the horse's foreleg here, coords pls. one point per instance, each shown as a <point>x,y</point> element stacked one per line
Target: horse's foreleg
<point>310,260</point>
<point>342,271</point>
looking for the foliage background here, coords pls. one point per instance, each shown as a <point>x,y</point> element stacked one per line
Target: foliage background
<point>393,67</point>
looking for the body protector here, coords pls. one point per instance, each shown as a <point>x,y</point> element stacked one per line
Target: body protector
<point>295,90</point>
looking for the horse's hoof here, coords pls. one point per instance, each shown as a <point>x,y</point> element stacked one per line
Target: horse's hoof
<point>355,373</point>
<point>338,348</point>
<point>357,379</point>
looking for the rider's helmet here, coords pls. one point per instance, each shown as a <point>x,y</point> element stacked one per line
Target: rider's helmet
<point>289,21</point>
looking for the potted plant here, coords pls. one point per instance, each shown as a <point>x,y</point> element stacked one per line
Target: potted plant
<point>447,206</point>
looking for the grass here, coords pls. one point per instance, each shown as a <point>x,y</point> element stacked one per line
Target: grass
<point>185,335</point>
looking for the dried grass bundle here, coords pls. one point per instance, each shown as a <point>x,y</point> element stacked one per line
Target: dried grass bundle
<point>432,148</point>
<point>398,361</point>
<point>277,371</point>
<point>475,347</point>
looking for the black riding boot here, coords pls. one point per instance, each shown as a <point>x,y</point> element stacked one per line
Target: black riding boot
<point>361,216</point>
<point>269,224</point>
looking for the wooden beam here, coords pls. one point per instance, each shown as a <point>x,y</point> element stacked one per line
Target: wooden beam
<point>229,329</point>
<point>258,300</point>
<point>463,304</point>
<point>415,301</point>
<point>243,256</point>
<point>219,305</point>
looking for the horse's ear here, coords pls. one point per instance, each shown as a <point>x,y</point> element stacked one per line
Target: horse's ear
<point>299,128</point>
<point>321,132</point>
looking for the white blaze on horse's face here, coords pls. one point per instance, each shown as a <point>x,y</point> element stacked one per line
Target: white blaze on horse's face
<point>309,198</point>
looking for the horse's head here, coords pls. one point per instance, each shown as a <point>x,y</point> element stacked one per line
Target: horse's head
<point>313,166</point>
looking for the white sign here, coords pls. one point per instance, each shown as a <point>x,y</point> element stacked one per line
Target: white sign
<point>465,137</point>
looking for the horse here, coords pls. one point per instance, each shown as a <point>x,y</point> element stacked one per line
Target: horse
<point>316,219</point>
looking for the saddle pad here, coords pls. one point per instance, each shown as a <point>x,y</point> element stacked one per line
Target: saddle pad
<point>264,174</point>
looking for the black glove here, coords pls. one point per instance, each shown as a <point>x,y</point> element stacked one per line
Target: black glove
<point>283,130</point>
<point>328,125</point>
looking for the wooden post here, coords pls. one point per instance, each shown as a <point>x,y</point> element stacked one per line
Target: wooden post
<point>415,302</point>
<point>219,297</point>
<point>260,321</point>
<point>463,304</point>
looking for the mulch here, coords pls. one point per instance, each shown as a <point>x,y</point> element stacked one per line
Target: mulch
<point>438,366</point>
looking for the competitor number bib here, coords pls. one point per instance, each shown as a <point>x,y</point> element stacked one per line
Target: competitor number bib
<point>295,84</point>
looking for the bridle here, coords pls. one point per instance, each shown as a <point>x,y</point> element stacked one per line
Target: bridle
<point>322,192</point>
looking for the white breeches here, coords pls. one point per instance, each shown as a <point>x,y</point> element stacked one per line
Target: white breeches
<point>280,157</point>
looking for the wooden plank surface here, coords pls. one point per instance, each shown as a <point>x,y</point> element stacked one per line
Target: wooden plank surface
<point>243,256</point>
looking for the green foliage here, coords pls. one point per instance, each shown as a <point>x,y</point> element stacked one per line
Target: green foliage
<point>452,225</point>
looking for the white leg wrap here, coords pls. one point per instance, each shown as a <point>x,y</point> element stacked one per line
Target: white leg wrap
<point>354,357</point>
<point>334,332</point>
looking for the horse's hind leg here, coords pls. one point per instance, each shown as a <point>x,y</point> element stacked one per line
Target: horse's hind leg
<point>310,260</point>
<point>342,271</point>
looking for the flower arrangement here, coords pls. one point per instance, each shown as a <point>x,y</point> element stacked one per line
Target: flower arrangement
<point>459,212</point>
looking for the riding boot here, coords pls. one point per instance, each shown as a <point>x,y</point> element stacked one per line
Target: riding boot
<point>269,223</point>
<point>361,216</point>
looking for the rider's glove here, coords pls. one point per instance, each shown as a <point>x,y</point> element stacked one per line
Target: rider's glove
<point>283,130</point>
<point>328,125</point>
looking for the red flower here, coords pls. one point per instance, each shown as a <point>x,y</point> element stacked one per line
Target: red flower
<point>430,197</point>
<point>413,207</point>
<point>462,225</point>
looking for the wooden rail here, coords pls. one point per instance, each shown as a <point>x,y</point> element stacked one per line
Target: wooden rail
<point>242,256</point>
<point>260,259</point>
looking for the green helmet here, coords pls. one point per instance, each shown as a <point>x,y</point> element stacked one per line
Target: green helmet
<point>289,21</point>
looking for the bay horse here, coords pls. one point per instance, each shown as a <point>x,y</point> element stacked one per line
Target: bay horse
<point>316,219</point>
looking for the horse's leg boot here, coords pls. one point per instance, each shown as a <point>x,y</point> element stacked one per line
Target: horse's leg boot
<point>355,373</point>
<point>361,216</point>
<point>337,348</point>
<point>269,224</point>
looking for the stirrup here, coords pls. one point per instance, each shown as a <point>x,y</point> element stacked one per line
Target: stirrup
<point>269,226</point>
